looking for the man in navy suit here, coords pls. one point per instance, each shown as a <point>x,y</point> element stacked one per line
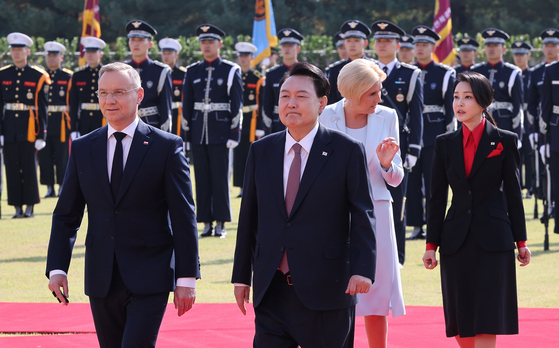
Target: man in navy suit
<point>305,259</point>
<point>141,241</point>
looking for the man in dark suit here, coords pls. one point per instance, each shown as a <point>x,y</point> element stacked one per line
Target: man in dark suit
<point>141,241</point>
<point>308,258</point>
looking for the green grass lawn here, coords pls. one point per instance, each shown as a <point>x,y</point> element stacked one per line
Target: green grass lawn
<point>24,247</point>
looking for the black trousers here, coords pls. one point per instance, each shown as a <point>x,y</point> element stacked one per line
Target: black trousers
<point>283,321</point>
<point>54,154</point>
<point>419,188</point>
<point>21,173</point>
<point>211,170</point>
<point>123,319</point>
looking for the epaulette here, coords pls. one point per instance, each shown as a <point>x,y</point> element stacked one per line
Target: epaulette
<point>444,66</point>
<point>511,66</point>
<point>194,64</point>
<point>6,67</point>
<point>68,71</point>
<point>80,68</point>
<point>409,66</point>
<point>228,62</point>
<point>39,69</point>
<point>336,63</point>
<point>478,65</point>
<point>158,63</point>
<point>539,66</point>
<point>272,69</point>
<point>182,68</point>
<point>552,63</point>
<point>257,73</point>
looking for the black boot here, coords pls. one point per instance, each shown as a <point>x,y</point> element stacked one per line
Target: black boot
<point>19,212</point>
<point>220,229</point>
<point>208,230</point>
<point>50,192</point>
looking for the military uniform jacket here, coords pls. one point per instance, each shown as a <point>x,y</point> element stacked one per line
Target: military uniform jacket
<point>177,77</point>
<point>85,114</point>
<point>213,102</point>
<point>534,99</point>
<point>58,119</point>
<point>550,104</point>
<point>404,88</point>
<point>271,97</point>
<point>438,114</point>
<point>528,121</point>
<point>332,73</point>
<point>253,83</point>
<point>508,94</point>
<point>24,104</point>
<point>155,108</point>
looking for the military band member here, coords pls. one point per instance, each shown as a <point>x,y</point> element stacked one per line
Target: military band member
<point>290,45</point>
<point>252,128</point>
<point>355,41</point>
<point>406,53</point>
<point>402,91</point>
<point>506,80</point>
<point>85,114</point>
<point>213,103</point>
<point>23,128</point>
<point>467,52</point>
<point>438,118</point>
<point>170,49</point>
<point>338,41</point>
<point>155,108</point>
<point>55,153</point>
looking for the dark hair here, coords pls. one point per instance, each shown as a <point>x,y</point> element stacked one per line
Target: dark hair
<point>321,83</point>
<point>481,89</point>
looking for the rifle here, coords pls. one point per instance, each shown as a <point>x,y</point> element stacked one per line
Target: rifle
<point>536,177</point>
<point>547,207</point>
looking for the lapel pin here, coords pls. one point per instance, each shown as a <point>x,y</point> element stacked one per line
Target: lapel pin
<point>146,143</point>
<point>492,143</point>
<point>324,153</point>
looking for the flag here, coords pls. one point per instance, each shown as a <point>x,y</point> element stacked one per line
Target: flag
<point>264,30</point>
<point>442,24</point>
<point>91,25</point>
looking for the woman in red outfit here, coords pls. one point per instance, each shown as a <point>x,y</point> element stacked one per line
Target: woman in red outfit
<point>477,235</point>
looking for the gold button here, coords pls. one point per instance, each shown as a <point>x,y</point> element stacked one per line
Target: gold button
<point>93,74</point>
<point>17,89</point>
<point>17,96</point>
<point>18,74</point>
<point>50,93</point>
<point>93,101</point>
<point>50,100</point>
<point>50,87</point>
<point>93,80</point>
<point>92,87</point>
<point>81,89</point>
<point>91,114</point>
<point>17,115</point>
<point>50,114</point>
<point>17,81</point>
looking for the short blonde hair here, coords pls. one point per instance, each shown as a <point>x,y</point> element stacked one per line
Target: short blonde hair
<point>129,70</point>
<point>357,77</point>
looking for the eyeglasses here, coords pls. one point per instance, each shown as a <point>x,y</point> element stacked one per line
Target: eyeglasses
<point>116,94</point>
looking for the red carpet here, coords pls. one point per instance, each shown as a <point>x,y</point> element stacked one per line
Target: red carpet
<point>223,325</point>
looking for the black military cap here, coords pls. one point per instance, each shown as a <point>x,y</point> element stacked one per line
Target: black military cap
<point>425,34</point>
<point>386,30</point>
<point>521,47</point>
<point>274,50</point>
<point>338,39</point>
<point>550,35</point>
<point>209,32</point>
<point>139,28</point>
<point>290,36</point>
<point>495,36</point>
<point>355,28</point>
<point>406,41</point>
<point>467,44</point>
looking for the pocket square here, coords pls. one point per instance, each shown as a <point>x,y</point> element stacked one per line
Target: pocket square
<point>497,151</point>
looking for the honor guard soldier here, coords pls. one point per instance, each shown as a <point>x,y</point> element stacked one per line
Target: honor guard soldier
<point>252,128</point>
<point>338,41</point>
<point>55,153</point>
<point>467,52</point>
<point>290,45</point>
<point>406,53</point>
<point>402,91</point>
<point>506,80</point>
<point>213,110</point>
<point>23,128</point>
<point>170,49</point>
<point>355,41</point>
<point>85,114</point>
<point>155,108</point>
<point>438,117</point>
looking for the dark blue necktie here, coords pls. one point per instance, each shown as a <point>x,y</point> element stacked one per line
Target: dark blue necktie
<point>118,165</point>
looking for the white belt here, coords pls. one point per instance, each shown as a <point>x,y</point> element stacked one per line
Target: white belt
<point>57,108</point>
<point>556,109</point>
<point>250,108</point>
<point>90,106</point>
<point>176,105</point>
<point>18,107</point>
<point>152,110</point>
<point>433,108</point>
<point>212,106</point>
<point>500,105</point>
<point>276,109</point>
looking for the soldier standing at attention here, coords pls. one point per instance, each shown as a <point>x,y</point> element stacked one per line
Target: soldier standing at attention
<point>23,128</point>
<point>85,114</point>
<point>155,108</point>
<point>290,42</point>
<point>406,53</point>
<point>55,153</point>
<point>438,118</point>
<point>213,103</point>
<point>170,49</point>
<point>468,53</point>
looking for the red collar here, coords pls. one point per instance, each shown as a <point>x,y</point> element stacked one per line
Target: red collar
<point>477,133</point>
<point>211,61</point>
<point>424,66</point>
<point>138,64</point>
<point>494,65</point>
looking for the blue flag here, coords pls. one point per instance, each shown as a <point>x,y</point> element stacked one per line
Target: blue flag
<point>264,30</point>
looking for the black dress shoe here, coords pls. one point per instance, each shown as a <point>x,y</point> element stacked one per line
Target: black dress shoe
<point>51,193</point>
<point>29,212</point>
<point>220,230</point>
<point>19,215</point>
<point>208,230</point>
<point>28,215</point>
<point>419,236</point>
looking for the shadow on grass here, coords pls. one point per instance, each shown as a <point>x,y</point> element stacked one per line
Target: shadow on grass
<point>37,258</point>
<point>216,262</point>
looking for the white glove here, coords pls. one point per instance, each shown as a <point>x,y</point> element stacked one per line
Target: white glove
<point>1,140</point>
<point>410,161</point>
<point>259,133</point>
<point>40,144</point>
<point>187,146</point>
<point>544,152</point>
<point>519,145</point>
<point>74,135</point>
<point>533,140</point>
<point>231,144</point>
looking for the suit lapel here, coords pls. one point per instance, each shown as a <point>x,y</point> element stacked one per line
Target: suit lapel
<point>99,154</point>
<point>488,142</point>
<point>275,165</point>
<point>375,123</point>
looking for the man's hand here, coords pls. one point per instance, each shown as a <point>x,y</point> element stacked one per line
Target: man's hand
<point>56,282</point>
<point>184,299</point>
<point>242,294</point>
<point>231,144</point>
<point>524,256</point>
<point>430,259</point>
<point>40,144</point>
<point>410,161</point>
<point>74,135</point>
<point>259,133</point>
<point>358,285</point>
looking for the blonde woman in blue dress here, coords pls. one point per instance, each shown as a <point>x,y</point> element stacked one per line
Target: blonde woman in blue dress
<point>376,126</point>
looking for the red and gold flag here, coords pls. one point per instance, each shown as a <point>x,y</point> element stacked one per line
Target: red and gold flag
<point>91,25</point>
<point>442,24</point>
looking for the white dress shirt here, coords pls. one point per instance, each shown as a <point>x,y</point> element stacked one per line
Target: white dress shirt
<point>390,66</point>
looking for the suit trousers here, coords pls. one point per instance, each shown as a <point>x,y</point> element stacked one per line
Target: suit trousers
<point>123,319</point>
<point>211,171</point>
<point>54,154</point>
<point>283,321</point>
<point>419,188</point>
<point>21,173</point>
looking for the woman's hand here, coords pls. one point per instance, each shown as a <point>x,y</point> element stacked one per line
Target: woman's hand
<point>430,259</point>
<point>524,256</point>
<point>386,151</point>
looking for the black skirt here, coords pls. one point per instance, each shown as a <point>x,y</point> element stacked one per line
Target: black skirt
<point>479,291</point>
